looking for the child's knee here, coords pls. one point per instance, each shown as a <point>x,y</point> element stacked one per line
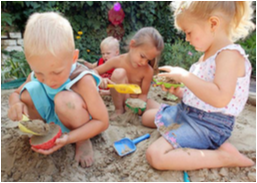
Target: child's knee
<point>118,74</point>
<point>69,105</point>
<point>153,157</point>
<point>66,100</point>
<point>145,118</point>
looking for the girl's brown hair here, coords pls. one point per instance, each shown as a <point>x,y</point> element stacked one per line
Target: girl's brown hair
<point>146,34</point>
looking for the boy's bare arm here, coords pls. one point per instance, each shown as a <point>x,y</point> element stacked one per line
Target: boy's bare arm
<point>16,107</point>
<point>86,88</point>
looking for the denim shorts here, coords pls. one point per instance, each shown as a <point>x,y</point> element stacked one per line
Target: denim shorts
<point>187,127</point>
<point>43,104</point>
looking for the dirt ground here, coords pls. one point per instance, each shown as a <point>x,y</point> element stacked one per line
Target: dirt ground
<point>20,163</point>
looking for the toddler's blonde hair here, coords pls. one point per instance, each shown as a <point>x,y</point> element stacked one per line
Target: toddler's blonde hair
<point>110,42</point>
<point>236,14</point>
<point>148,35</point>
<point>48,33</point>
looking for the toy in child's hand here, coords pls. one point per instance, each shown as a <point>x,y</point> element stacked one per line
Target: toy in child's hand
<point>136,104</point>
<point>167,82</point>
<point>126,88</point>
<point>34,127</point>
<point>44,135</point>
<point>47,141</point>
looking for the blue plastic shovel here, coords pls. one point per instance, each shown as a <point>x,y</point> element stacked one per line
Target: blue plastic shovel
<point>185,177</point>
<point>126,146</point>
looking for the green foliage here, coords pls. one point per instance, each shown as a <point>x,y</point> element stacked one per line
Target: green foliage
<point>91,17</point>
<point>249,45</point>
<point>15,66</point>
<point>179,54</point>
<point>6,22</point>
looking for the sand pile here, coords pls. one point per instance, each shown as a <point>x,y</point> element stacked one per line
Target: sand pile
<point>20,163</point>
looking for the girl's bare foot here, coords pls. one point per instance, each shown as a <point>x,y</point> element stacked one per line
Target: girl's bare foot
<point>84,153</point>
<point>234,157</point>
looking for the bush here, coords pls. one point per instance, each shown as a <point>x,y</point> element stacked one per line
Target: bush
<point>91,18</point>
<point>249,45</point>
<point>15,66</point>
<point>179,54</point>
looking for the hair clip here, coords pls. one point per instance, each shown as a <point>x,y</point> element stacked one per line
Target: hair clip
<point>182,7</point>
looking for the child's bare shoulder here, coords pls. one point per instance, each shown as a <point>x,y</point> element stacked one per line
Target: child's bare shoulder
<point>119,57</point>
<point>233,55</point>
<point>86,82</point>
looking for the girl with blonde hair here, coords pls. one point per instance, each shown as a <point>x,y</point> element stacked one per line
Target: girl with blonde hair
<point>216,90</point>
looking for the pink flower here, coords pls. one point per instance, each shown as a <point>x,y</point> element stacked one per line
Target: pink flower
<point>116,17</point>
<point>159,116</point>
<point>172,139</point>
<point>190,53</point>
<point>117,6</point>
<point>161,124</point>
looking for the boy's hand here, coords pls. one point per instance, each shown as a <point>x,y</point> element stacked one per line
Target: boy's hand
<point>59,143</point>
<point>16,110</point>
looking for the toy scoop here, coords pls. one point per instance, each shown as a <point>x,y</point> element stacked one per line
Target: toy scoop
<point>126,146</point>
<point>44,135</point>
<point>34,127</point>
<point>126,88</point>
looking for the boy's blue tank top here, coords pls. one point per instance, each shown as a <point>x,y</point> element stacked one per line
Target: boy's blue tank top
<point>77,72</point>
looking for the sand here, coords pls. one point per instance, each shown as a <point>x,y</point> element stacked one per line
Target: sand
<point>20,163</point>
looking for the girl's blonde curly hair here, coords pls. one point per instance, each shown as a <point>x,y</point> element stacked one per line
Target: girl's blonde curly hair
<point>236,14</point>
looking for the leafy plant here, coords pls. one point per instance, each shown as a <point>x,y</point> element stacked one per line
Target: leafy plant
<point>15,66</point>
<point>249,45</point>
<point>179,54</point>
<point>91,18</point>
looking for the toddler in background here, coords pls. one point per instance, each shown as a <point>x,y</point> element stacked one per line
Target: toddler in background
<point>110,47</point>
<point>135,67</point>
<point>58,89</point>
<point>216,90</point>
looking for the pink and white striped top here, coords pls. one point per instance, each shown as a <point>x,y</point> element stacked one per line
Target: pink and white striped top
<point>206,71</point>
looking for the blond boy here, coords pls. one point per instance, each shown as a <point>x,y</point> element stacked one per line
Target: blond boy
<point>59,89</point>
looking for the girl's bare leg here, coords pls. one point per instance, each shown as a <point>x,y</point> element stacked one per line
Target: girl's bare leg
<point>118,76</point>
<point>148,117</point>
<point>162,156</point>
<point>152,104</point>
<point>72,111</point>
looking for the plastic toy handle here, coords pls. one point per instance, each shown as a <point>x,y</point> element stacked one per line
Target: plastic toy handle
<point>24,118</point>
<point>185,177</point>
<point>110,86</point>
<point>139,139</point>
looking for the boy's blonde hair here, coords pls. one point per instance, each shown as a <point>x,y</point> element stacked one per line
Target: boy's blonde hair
<point>110,42</point>
<point>146,34</point>
<point>48,33</point>
<point>236,14</point>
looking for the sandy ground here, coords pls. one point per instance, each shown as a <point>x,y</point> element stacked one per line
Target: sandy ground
<point>20,163</point>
